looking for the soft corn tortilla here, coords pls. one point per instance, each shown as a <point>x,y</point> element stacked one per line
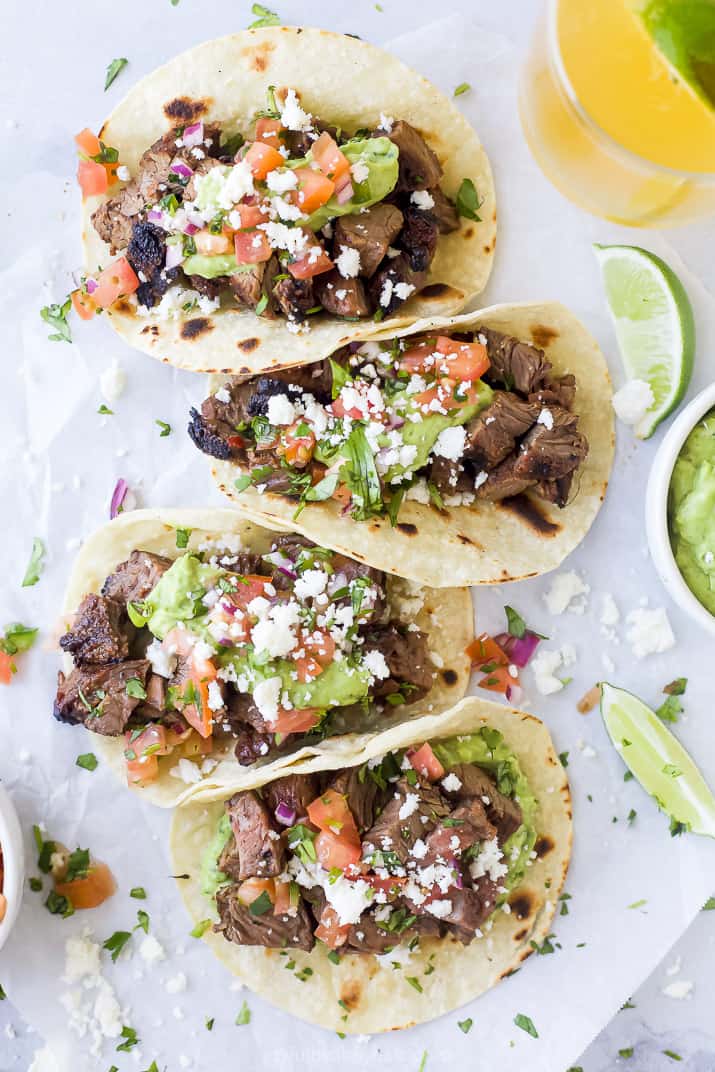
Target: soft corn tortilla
<point>344,81</point>
<point>445,616</point>
<point>376,996</point>
<point>485,543</point>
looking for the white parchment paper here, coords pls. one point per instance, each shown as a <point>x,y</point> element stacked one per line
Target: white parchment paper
<point>61,460</point>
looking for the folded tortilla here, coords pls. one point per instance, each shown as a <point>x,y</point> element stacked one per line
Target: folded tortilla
<point>366,986</point>
<point>485,543</point>
<point>346,82</point>
<point>445,616</point>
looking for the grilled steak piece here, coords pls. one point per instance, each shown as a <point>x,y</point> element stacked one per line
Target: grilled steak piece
<point>210,288</point>
<point>502,811</point>
<point>258,843</point>
<point>268,930</point>
<point>552,452</point>
<point>296,791</point>
<point>206,439</point>
<point>100,633</point>
<point>97,696</point>
<point>154,170</point>
<point>492,435</point>
<point>247,286</point>
<point>444,212</point>
<point>294,297</point>
<point>315,378</point>
<point>419,167</point>
<point>371,233</point>
<point>556,491</point>
<point>418,238</point>
<point>470,908</point>
<point>559,391</point>
<point>241,711</point>
<point>468,824</point>
<point>251,746</point>
<point>517,365</point>
<point>384,287</point>
<point>503,482</point>
<point>245,563</point>
<point>342,297</point>
<point>407,660</point>
<point>450,477</point>
<point>391,833</point>
<point>134,579</point>
<point>146,251</point>
<point>368,936</point>
<point>114,220</point>
<point>363,794</point>
<point>152,709</point>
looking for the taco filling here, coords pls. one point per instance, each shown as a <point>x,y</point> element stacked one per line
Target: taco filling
<point>450,420</point>
<point>226,648</point>
<point>420,843</point>
<point>291,217</point>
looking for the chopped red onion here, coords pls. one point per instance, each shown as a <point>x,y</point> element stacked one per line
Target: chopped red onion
<point>174,255</point>
<point>193,134</point>
<point>518,649</point>
<point>91,285</point>
<point>191,229</point>
<point>514,693</point>
<point>458,874</point>
<point>118,496</point>
<point>344,193</point>
<point>291,574</point>
<point>178,167</point>
<point>155,215</point>
<point>284,814</point>
<point>394,421</point>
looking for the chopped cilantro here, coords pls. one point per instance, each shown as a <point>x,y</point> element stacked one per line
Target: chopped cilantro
<point>545,947</point>
<point>116,943</point>
<point>638,904</point>
<point>333,955</point>
<point>142,921</point>
<point>135,689</point>
<point>165,428</point>
<point>670,709</point>
<point>626,1052</point>
<point>56,317</point>
<point>673,1056</point>
<point>564,759</point>
<point>113,70</point>
<point>105,411</point>
<point>138,893</point>
<point>304,974</point>
<point>423,1062</point>
<point>677,827</point>
<point>17,637</point>
<point>244,1015</point>
<point>35,884</point>
<point>468,201</point>
<point>262,305</point>
<point>77,865</point>
<point>3,995</point>
<point>200,929</point>
<point>210,1021</point>
<point>35,565</point>
<point>709,905</point>
<point>182,538</point>
<point>242,482</point>
<point>87,761</point>
<point>266,17</point>
<point>627,776</point>
<point>465,1026</point>
<point>128,1033</point>
<point>414,983</point>
<point>58,905</point>
<point>261,905</point>
<point>463,87</point>
<point>516,626</point>
<point>526,1024</point>
<point>631,815</point>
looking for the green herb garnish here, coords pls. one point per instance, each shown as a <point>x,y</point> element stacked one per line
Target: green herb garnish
<point>35,565</point>
<point>468,201</point>
<point>113,70</point>
<point>526,1024</point>
<point>56,316</point>
<point>87,761</point>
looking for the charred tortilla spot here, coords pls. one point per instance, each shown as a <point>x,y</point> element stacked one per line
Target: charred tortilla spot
<point>150,329</point>
<point>407,527</point>
<point>248,345</point>
<point>191,329</point>
<point>449,677</point>
<point>257,56</point>
<point>185,110</point>
<point>435,290</point>
<point>351,994</point>
<point>122,306</point>
<point>468,232</point>
<point>521,905</point>
<point>521,935</point>
<point>543,846</point>
<point>526,509</point>
<point>542,335</point>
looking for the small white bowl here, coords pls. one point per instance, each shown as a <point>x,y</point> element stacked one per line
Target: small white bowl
<point>656,507</point>
<point>14,863</point>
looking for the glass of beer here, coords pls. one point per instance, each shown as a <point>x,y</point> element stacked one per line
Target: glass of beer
<point>617,102</point>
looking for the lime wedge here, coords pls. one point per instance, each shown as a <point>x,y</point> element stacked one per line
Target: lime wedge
<point>654,326</point>
<point>658,760</point>
<point>683,31</point>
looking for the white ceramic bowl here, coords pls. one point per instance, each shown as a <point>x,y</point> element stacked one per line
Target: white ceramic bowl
<point>656,507</point>
<point>14,862</point>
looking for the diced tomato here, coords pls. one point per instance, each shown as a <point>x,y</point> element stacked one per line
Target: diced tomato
<point>269,131</point>
<point>320,645</point>
<point>333,850</point>
<point>152,741</point>
<point>92,178</point>
<point>313,190</point>
<point>307,669</point>
<point>235,442</point>
<point>249,587</point>
<point>252,888</point>
<point>329,158</point>
<point>252,247</point>
<point>7,668</point>
<point>211,245</point>
<point>331,812</point>
<point>425,762</point>
<point>282,904</point>
<point>485,653</point>
<point>115,281</point>
<point>296,447</point>
<point>330,930</point>
<point>88,143</point>
<point>201,673</point>
<point>418,358</point>
<point>307,266</point>
<point>444,392</point>
<point>299,720</point>
<point>92,890</point>
<point>337,408</point>
<point>251,214</point>
<point>498,680</point>
<point>466,360</point>
<point>83,304</point>
<point>263,158</point>
<point>143,770</point>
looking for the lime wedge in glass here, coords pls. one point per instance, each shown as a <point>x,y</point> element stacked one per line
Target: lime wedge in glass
<point>683,31</point>
<point>654,326</point>
<point>658,760</point>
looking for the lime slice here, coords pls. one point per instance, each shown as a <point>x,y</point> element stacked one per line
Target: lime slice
<point>658,760</point>
<point>683,31</point>
<point>654,326</point>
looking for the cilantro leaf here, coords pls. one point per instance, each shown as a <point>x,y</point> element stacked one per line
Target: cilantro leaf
<point>135,689</point>
<point>77,865</point>
<point>113,70</point>
<point>138,893</point>
<point>116,943</point>
<point>516,626</point>
<point>709,905</point>
<point>468,201</point>
<point>526,1024</point>
<point>261,905</point>
<point>165,428</point>
<point>36,563</point>
<point>58,905</point>
<point>361,476</point>
<point>56,316</point>
<point>463,87</point>
<point>17,637</point>
<point>87,761</point>
<point>244,1015</point>
<point>142,921</point>
<point>200,929</point>
<point>669,709</point>
<point>128,1033</point>
<point>182,538</point>
<point>266,17</point>
<point>465,1025</point>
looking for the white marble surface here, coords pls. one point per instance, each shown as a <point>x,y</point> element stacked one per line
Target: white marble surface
<point>58,90</point>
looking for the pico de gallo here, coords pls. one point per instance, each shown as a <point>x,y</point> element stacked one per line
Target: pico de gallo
<point>420,843</point>
<point>77,880</point>
<point>226,648</point>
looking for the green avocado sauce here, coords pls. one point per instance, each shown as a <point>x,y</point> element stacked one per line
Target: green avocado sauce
<point>691,511</point>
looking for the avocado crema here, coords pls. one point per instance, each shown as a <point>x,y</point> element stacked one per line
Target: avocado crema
<point>429,842</point>
<point>224,645</point>
<point>691,511</point>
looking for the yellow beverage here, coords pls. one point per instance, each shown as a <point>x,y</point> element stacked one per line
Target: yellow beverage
<point>610,123</point>
<point>628,88</point>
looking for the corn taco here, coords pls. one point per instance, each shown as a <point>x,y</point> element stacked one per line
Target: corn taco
<point>200,646</point>
<point>470,450</point>
<point>391,887</point>
<point>271,195</point>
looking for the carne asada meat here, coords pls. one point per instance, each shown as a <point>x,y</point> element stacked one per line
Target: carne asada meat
<point>100,633</point>
<point>552,451</point>
<point>468,823</point>
<point>294,792</point>
<point>503,482</point>
<point>371,233</point>
<point>444,212</point>
<point>558,390</point>
<point>419,167</point>
<point>134,579</point>
<point>492,435</point>
<point>294,297</point>
<point>114,219</point>
<point>394,283</point>
<point>251,746</point>
<point>407,660</point>
<point>476,784</point>
<point>418,238</point>
<point>449,477</point>
<point>96,696</point>
<point>470,908</point>
<point>258,844</point>
<point>237,924</point>
<point>395,832</point>
<point>342,297</point>
<point>556,491</point>
<point>248,285</point>
<point>362,791</point>
<point>518,365</point>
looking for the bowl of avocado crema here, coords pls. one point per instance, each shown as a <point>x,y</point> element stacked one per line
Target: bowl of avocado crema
<point>680,509</point>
